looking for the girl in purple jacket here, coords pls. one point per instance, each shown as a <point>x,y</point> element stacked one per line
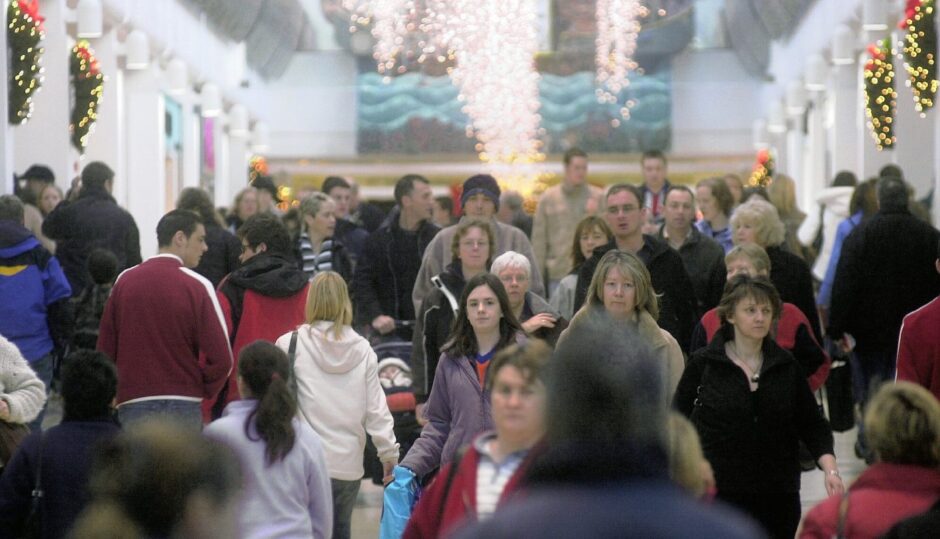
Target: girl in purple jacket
<point>458,408</point>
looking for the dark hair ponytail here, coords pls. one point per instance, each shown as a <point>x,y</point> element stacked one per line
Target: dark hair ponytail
<point>264,368</point>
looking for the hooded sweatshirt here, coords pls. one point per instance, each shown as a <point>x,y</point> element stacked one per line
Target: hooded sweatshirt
<point>339,395</point>
<point>835,203</point>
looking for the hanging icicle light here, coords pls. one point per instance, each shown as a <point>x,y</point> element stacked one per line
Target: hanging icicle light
<point>618,25</point>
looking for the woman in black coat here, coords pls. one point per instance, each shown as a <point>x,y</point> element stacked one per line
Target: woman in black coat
<point>221,257</point>
<point>749,400</point>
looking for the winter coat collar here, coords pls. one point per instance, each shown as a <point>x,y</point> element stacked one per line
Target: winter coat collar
<point>270,275</point>
<point>888,476</point>
<point>97,193</point>
<point>773,354</point>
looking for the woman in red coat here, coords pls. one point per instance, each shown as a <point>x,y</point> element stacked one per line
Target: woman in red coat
<point>500,458</point>
<point>903,427</point>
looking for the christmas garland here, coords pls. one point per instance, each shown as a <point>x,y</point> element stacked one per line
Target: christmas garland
<point>763,171</point>
<point>920,51</point>
<point>24,34</point>
<point>880,97</point>
<point>88,82</point>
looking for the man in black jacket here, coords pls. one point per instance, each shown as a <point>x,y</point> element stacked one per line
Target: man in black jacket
<point>94,220</point>
<point>391,258</point>
<point>626,215</point>
<point>885,271</point>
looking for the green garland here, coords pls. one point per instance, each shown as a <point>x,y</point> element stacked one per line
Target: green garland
<point>920,51</point>
<point>880,97</point>
<point>88,83</point>
<point>24,34</point>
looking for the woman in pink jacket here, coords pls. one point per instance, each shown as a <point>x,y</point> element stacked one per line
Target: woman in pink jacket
<point>903,427</point>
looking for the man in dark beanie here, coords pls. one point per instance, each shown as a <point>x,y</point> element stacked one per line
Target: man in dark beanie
<point>94,220</point>
<point>28,188</point>
<point>479,200</point>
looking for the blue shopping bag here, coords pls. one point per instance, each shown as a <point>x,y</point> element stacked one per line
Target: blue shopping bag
<point>400,496</point>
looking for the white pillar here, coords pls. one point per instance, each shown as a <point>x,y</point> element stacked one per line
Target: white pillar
<point>844,135</point>
<point>6,133</point>
<point>814,177</point>
<point>914,150</point>
<point>107,142</point>
<point>45,137</point>
<point>146,182</point>
<point>238,155</point>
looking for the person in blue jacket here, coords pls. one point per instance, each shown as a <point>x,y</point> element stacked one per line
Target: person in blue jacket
<point>34,294</point>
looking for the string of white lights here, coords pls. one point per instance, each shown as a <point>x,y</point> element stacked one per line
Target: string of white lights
<point>618,26</point>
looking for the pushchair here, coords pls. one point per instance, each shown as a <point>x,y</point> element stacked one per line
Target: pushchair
<point>394,358</point>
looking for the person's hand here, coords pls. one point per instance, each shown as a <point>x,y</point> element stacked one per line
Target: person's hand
<point>834,484</point>
<point>847,343</point>
<point>419,414</point>
<point>387,476</point>
<point>383,324</point>
<point>708,477</point>
<point>541,320</point>
<point>4,410</point>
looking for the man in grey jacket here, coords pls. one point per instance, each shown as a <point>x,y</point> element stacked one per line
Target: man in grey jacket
<point>480,200</point>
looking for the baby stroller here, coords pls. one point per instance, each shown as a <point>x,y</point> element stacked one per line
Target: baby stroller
<point>394,355</point>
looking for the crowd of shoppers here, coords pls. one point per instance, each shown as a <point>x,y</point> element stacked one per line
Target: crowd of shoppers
<point>541,373</point>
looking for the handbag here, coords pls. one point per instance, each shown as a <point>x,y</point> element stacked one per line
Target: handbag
<point>11,436</point>
<point>839,399</point>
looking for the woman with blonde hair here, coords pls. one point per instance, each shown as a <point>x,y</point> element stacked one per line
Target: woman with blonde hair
<point>317,250</point>
<point>782,192</point>
<point>902,423</point>
<point>688,467</point>
<point>621,290</point>
<point>593,231</point>
<point>757,221</point>
<point>338,391</point>
<point>244,206</point>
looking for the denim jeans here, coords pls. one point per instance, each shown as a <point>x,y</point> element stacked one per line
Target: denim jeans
<point>870,369</point>
<point>187,414</point>
<point>43,369</point>
<point>344,499</point>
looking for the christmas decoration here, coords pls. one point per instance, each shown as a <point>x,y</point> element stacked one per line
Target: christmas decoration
<point>763,172</point>
<point>257,167</point>
<point>24,35</point>
<point>920,51</point>
<point>87,82</point>
<point>880,96</point>
<point>618,26</point>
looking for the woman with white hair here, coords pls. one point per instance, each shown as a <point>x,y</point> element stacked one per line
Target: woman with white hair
<point>537,317</point>
<point>757,221</point>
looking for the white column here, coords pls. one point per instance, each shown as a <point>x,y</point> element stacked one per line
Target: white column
<point>238,155</point>
<point>844,136</point>
<point>45,137</point>
<point>914,150</point>
<point>107,141</point>
<point>192,140</point>
<point>6,133</point>
<point>146,183</point>
<point>814,177</point>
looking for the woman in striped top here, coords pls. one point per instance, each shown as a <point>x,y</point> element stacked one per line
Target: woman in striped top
<point>474,485</point>
<point>316,249</point>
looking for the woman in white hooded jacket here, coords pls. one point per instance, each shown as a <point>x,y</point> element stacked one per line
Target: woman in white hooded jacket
<point>338,392</point>
<point>834,205</point>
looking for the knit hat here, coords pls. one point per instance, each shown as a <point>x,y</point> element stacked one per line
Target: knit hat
<point>481,183</point>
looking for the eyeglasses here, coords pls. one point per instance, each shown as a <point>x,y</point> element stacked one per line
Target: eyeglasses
<point>474,243</point>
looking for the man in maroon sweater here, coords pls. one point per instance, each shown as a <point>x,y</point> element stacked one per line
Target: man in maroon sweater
<point>919,345</point>
<point>164,329</point>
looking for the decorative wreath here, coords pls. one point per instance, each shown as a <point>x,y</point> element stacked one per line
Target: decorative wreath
<point>763,171</point>
<point>24,34</point>
<point>920,52</point>
<point>880,97</point>
<point>88,82</point>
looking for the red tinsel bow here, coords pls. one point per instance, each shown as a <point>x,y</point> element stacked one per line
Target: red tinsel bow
<point>86,55</point>
<point>31,8</point>
<point>909,13</point>
<point>763,156</point>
